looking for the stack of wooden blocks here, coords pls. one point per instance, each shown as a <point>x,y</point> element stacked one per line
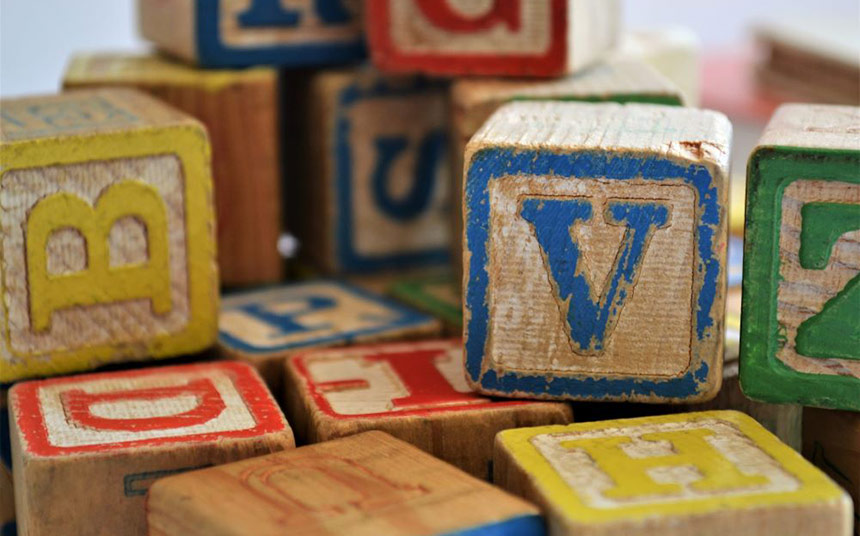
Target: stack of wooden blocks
<point>480,281</point>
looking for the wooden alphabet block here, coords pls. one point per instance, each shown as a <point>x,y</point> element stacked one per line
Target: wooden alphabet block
<point>543,38</point>
<point>800,323</point>
<point>595,248</point>
<point>473,101</point>
<point>413,391</point>
<point>243,33</point>
<point>437,294</point>
<point>831,440</point>
<point>369,484</point>
<point>265,327</point>
<point>240,111</point>
<point>86,448</point>
<point>693,474</point>
<point>107,233</point>
<point>376,196</point>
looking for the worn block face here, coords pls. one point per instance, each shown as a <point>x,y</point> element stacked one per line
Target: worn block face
<point>689,474</point>
<point>800,339</point>
<point>414,391</point>
<point>240,111</point>
<point>369,484</point>
<point>117,432</point>
<point>473,101</point>
<point>385,172</point>
<point>525,38</point>
<point>241,33</point>
<point>595,271</point>
<point>106,221</point>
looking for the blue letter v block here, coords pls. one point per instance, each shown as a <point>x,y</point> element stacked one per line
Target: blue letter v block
<point>590,322</point>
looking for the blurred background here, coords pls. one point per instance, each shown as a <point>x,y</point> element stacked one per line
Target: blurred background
<point>37,36</point>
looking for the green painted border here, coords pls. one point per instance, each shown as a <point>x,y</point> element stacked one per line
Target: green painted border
<point>762,376</point>
<point>412,291</point>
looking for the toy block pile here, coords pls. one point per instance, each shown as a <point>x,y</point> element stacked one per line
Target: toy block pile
<point>421,267</point>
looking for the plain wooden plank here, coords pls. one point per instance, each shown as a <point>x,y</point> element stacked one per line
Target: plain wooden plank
<point>107,232</point>
<point>368,484</point>
<point>831,440</point>
<point>563,301</point>
<point>86,448</point>
<point>800,325</point>
<point>240,109</point>
<point>414,391</point>
<point>694,474</point>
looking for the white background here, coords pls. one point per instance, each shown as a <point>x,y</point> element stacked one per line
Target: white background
<point>37,36</point>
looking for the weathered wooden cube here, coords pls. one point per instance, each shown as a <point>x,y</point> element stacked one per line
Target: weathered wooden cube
<point>413,391</point>
<point>673,50</point>
<point>800,323</point>
<point>542,38</point>
<point>365,485</point>
<point>265,327</point>
<point>242,33</point>
<point>86,448</point>
<point>694,474</point>
<point>831,440</point>
<point>240,111</point>
<point>375,198</point>
<point>437,295</point>
<point>595,248</point>
<point>107,233</point>
<point>473,101</point>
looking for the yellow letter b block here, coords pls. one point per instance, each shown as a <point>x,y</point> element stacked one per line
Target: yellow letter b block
<point>107,233</point>
<point>696,474</point>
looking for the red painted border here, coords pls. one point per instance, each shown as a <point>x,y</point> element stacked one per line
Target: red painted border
<point>297,363</point>
<point>387,58</point>
<point>24,400</point>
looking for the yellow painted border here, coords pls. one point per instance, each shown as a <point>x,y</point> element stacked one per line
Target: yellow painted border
<point>815,487</point>
<point>190,144</point>
<point>148,70</point>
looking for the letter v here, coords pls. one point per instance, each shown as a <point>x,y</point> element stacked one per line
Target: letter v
<point>591,322</point>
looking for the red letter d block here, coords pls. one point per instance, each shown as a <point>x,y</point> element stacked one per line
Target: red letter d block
<point>541,38</point>
<point>86,448</point>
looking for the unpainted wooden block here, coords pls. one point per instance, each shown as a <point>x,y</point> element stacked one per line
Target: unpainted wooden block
<point>537,38</point>
<point>414,391</point>
<point>107,233</point>
<point>800,323</point>
<point>369,484</point>
<point>473,101</point>
<point>265,327</point>
<point>831,440</point>
<point>240,111</point>
<point>693,474</point>
<point>436,294</point>
<point>375,198</point>
<point>86,448</point>
<point>244,33</point>
<point>596,252</point>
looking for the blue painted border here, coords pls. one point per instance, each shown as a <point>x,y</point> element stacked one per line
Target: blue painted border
<point>348,258</point>
<point>527,525</point>
<point>408,318</point>
<point>212,52</point>
<point>493,163</point>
